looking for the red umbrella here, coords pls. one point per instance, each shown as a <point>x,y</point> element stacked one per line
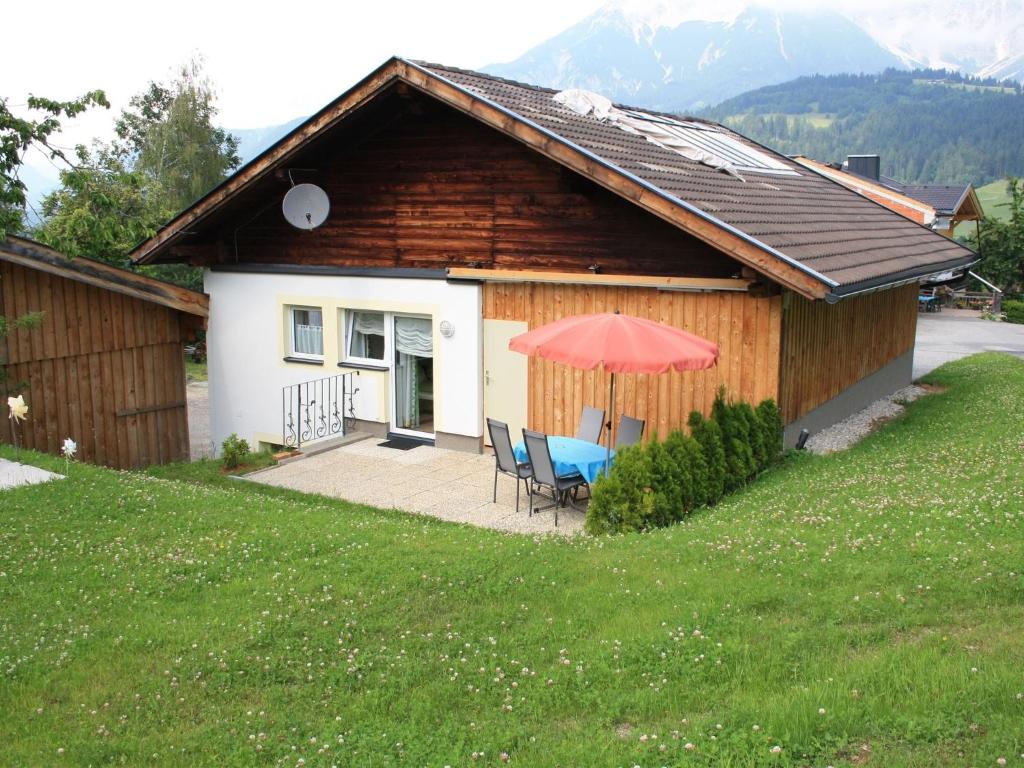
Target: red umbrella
<point>618,344</point>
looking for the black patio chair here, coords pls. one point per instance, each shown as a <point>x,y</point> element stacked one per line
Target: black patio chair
<point>505,459</point>
<point>544,473</point>
<point>629,432</point>
<point>591,425</point>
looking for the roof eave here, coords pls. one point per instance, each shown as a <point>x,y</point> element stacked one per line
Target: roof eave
<point>33,255</point>
<point>903,277</point>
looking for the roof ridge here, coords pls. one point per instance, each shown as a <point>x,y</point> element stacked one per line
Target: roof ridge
<point>544,89</point>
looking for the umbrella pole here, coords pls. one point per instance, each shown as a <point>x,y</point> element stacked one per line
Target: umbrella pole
<point>611,421</point>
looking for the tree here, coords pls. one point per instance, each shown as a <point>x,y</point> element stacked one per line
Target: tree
<point>1001,244</point>
<point>166,153</point>
<point>102,209</point>
<point>18,134</point>
<point>167,133</point>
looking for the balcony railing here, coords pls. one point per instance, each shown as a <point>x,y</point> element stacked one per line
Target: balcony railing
<point>317,410</point>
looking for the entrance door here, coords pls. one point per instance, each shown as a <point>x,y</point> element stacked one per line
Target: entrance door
<point>505,377</point>
<point>412,396</point>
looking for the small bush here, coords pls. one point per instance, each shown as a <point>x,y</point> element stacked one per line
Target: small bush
<point>622,500</point>
<point>658,484</point>
<point>1013,311</point>
<point>234,451</point>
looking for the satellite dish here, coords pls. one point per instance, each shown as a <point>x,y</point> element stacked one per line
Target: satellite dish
<point>305,206</point>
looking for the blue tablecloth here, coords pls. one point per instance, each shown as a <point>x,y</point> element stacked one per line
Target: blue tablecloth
<point>570,455</point>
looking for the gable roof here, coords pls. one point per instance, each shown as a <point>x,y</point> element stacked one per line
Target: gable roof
<point>946,199</point>
<point>864,185</point>
<point>33,255</point>
<point>804,231</point>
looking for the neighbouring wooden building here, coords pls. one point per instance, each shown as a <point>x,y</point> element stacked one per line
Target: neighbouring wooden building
<point>940,207</point>
<point>105,367</point>
<point>465,209</point>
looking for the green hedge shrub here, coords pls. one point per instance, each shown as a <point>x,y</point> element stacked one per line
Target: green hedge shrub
<point>708,436</point>
<point>1014,311</point>
<point>657,484</point>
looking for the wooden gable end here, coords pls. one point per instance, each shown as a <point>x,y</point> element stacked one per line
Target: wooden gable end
<point>417,184</point>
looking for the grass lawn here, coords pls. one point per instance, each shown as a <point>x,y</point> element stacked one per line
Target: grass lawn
<point>994,198</point>
<point>860,609</point>
<point>195,371</point>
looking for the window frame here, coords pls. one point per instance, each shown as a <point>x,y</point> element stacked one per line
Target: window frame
<point>292,351</point>
<point>356,360</point>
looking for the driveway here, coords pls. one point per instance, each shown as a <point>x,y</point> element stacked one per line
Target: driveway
<point>197,395</point>
<point>952,334</point>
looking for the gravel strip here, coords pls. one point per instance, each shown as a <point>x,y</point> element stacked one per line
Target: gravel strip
<point>841,436</point>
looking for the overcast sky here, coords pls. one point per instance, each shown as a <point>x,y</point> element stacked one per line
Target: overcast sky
<point>270,61</point>
<point>274,61</point>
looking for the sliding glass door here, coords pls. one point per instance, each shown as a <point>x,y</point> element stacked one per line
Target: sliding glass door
<point>413,376</point>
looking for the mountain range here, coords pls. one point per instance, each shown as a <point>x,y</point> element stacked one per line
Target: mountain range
<point>686,55</point>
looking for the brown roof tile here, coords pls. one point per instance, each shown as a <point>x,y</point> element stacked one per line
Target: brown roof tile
<point>851,241</point>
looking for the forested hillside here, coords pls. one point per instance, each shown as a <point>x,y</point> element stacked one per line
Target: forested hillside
<point>929,126</point>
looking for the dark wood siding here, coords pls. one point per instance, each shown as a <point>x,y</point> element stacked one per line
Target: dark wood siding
<point>828,347</point>
<point>436,188</point>
<point>745,328</point>
<point>103,369</point>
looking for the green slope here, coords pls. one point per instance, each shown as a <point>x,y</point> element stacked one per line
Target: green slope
<point>928,126</point>
<point>994,199</point>
<point>858,609</point>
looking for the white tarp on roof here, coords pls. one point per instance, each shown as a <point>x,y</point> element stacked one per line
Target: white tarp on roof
<point>584,102</point>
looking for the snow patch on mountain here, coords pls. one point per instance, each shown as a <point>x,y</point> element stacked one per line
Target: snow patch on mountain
<point>782,42</point>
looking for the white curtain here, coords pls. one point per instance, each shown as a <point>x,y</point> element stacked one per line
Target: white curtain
<point>308,331</point>
<point>414,336</point>
<point>364,325</point>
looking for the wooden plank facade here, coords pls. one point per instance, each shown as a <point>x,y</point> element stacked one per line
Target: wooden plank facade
<point>747,330</point>
<point>828,347</point>
<point>103,368</point>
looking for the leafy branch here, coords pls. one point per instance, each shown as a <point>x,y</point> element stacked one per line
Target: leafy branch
<point>17,134</point>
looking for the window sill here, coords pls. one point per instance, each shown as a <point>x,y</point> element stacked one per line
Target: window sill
<point>303,361</point>
<point>363,366</point>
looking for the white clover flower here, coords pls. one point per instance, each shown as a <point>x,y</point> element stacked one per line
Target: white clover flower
<point>70,448</point>
<point>17,407</point>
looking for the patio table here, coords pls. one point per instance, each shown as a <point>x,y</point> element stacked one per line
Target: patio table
<point>570,455</point>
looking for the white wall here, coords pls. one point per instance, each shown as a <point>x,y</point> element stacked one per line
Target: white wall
<point>247,341</point>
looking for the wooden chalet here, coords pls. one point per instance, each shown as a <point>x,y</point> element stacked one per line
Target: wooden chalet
<point>465,208</point>
<point>106,366</point>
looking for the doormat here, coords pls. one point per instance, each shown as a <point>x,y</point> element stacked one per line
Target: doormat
<point>401,443</point>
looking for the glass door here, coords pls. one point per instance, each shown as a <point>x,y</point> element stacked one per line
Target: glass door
<point>413,376</point>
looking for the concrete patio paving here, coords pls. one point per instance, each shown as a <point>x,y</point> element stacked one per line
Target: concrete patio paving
<point>450,485</point>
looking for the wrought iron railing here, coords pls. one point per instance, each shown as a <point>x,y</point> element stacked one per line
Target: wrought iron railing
<point>318,409</point>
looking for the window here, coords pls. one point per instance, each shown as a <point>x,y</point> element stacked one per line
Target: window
<point>686,134</point>
<point>307,332</point>
<point>365,340</point>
